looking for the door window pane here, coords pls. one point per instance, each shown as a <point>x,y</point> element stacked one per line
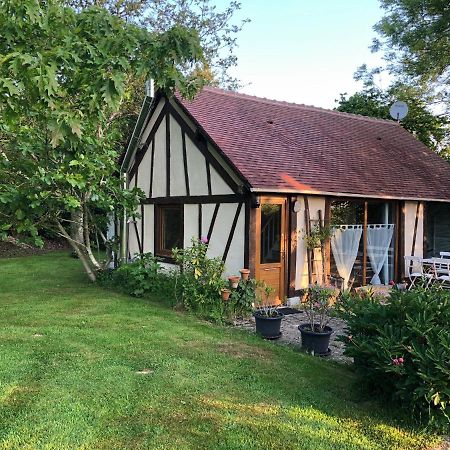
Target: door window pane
<point>270,233</point>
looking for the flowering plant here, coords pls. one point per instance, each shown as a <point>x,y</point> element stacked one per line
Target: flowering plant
<point>318,304</point>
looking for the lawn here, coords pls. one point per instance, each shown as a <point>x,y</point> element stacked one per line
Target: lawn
<point>72,357</point>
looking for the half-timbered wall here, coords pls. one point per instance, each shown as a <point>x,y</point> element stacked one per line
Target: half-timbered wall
<point>173,165</point>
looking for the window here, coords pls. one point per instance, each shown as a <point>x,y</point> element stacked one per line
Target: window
<point>363,246</point>
<point>169,229</point>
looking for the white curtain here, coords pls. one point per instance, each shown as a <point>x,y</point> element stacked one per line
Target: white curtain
<point>379,239</point>
<point>345,244</point>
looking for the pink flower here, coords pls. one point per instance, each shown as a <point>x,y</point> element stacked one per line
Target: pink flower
<point>204,239</point>
<point>350,337</point>
<point>395,362</point>
<point>391,283</point>
<point>400,360</point>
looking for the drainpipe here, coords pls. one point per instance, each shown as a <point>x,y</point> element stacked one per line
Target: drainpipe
<point>123,232</point>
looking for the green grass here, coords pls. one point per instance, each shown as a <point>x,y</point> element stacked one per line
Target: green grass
<point>70,353</point>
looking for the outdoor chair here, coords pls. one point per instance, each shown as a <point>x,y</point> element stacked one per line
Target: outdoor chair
<point>444,254</point>
<point>415,271</point>
<point>442,272</point>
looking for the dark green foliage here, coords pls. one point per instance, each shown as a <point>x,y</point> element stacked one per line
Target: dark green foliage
<point>201,281</point>
<point>243,297</point>
<point>141,277</point>
<point>402,349</point>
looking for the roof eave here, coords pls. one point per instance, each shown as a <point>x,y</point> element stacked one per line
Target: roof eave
<point>345,194</point>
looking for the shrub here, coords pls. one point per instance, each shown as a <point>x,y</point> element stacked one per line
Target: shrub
<point>201,281</point>
<point>144,275</point>
<point>401,348</point>
<point>244,297</point>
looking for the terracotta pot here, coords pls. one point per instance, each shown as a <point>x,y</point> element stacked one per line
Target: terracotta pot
<point>245,273</point>
<point>225,294</point>
<point>234,281</point>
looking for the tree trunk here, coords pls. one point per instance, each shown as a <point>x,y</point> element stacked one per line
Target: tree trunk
<point>76,246</point>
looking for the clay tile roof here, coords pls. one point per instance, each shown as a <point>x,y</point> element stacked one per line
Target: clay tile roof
<point>297,148</point>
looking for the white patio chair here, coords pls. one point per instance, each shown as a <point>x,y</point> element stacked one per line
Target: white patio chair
<point>444,254</point>
<point>415,271</point>
<point>442,268</point>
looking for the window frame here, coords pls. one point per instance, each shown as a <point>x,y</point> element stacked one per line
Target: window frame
<point>166,254</point>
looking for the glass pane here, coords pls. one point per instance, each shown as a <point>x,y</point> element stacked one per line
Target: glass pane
<point>172,228</point>
<point>348,213</point>
<point>438,229</point>
<point>381,242</point>
<point>270,233</point>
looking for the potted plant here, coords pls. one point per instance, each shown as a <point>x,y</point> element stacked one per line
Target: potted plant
<point>316,333</point>
<point>267,317</point>
<point>225,294</point>
<point>245,273</point>
<point>234,281</point>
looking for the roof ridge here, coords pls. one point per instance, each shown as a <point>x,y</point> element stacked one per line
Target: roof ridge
<point>231,93</point>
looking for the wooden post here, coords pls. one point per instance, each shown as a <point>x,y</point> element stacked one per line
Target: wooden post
<point>416,222</point>
<point>364,274</point>
<point>322,248</point>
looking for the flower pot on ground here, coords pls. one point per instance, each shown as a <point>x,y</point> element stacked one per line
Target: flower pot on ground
<point>318,305</point>
<point>245,273</point>
<point>315,341</point>
<point>225,294</point>
<point>234,281</point>
<point>268,326</point>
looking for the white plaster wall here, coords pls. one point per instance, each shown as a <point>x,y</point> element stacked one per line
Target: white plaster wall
<point>197,169</point>
<point>144,171</point>
<point>153,119</point>
<point>235,257</point>
<point>133,247</point>
<point>410,219</point>
<point>218,185</point>
<point>315,204</point>
<point>207,213</point>
<point>177,178</point>
<point>149,227</point>
<point>159,173</point>
<point>190,224</point>
<point>219,237</point>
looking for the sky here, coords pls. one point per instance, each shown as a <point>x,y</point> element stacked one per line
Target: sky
<point>304,51</point>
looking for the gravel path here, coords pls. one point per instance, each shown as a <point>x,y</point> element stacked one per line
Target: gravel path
<point>291,335</point>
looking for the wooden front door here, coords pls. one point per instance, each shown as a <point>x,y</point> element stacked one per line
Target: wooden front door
<point>271,236</point>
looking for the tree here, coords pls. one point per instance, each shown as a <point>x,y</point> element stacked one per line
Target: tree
<point>63,77</point>
<point>416,37</point>
<point>432,129</point>
<point>216,29</point>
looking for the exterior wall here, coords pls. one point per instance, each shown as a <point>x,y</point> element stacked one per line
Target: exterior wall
<point>410,219</point>
<point>174,165</point>
<point>315,204</point>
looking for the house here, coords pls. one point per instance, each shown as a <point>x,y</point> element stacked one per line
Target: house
<point>255,175</point>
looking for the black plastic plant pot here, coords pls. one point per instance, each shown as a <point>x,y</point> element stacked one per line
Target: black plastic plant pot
<point>314,341</point>
<point>268,327</point>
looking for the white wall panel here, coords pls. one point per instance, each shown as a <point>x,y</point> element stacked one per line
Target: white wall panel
<point>218,185</point>
<point>207,213</point>
<point>221,229</point>
<point>144,171</point>
<point>149,224</point>
<point>190,223</point>
<point>159,172</point>
<point>153,119</point>
<point>177,177</point>
<point>133,247</point>
<point>410,219</point>
<point>197,169</point>
<point>235,257</point>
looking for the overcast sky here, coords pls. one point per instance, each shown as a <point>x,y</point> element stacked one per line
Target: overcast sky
<point>305,51</point>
